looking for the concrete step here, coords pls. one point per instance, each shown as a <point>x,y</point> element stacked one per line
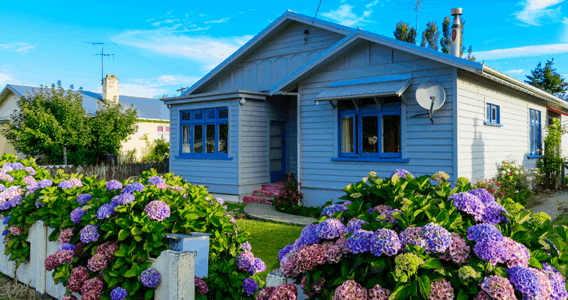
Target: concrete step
<point>265,193</point>
<point>257,199</point>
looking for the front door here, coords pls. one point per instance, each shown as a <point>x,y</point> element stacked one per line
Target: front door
<point>277,151</point>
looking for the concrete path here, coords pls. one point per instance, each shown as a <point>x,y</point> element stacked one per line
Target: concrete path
<point>266,212</point>
<point>554,205</point>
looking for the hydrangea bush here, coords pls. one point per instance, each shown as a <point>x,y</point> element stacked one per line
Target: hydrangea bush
<point>108,231</point>
<point>419,238</point>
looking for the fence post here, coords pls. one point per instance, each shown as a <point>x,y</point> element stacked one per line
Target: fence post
<point>178,275</point>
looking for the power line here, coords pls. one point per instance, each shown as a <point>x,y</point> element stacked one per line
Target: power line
<point>307,31</point>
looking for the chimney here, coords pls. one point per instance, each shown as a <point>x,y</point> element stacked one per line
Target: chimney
<point>110,88</point>
<point>456,35</point>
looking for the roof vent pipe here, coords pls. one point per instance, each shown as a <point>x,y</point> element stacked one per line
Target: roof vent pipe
<point>456,36</point>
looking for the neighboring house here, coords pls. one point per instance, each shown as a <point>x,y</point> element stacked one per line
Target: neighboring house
<point>153,115</point>
<point>330,104</point>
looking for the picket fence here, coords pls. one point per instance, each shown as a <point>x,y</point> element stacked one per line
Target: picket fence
<point>109,172</point>
<point>188,256</point>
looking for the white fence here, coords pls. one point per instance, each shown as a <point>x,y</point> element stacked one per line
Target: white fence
<point>177,267</point>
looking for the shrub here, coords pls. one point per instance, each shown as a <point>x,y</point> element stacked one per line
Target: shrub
<point>116,226</point>
<point>289,195</point>
<point>155,151</point>
<point>551,162</point>
<point>408,238</point>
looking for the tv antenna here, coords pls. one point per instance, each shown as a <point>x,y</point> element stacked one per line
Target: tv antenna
<point>419,5</point>
<point>103,54</point>
<point>431,96</point>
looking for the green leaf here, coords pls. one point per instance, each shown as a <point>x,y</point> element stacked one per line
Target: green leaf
<point>130,273</point>
<point>149,294</point>
<point>138,238</point>
<point>533,262</point>
<point>136,231</point>
<point>462,295</point>
<point>424,284</point>
<point>123,234</point>
<point>432,263</point>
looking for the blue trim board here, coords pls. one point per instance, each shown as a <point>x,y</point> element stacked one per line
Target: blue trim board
<point>530,156</point>
<point>492,124</point>
<point>368,159</point>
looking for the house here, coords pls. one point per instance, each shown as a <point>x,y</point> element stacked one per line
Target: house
<point>330,103</point>
<point>153,115</point>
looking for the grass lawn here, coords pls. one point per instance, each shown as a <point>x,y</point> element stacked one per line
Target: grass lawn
<point>267,239</point>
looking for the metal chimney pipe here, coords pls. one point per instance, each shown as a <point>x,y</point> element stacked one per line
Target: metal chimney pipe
<point>456,35</point>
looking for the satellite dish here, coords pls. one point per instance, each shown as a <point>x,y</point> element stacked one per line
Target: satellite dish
<point>431,96</point>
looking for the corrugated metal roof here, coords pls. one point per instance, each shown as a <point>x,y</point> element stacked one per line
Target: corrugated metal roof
<point>378,88</point>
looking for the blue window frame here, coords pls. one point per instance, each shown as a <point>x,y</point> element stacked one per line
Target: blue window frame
<point>204,133</point>
<point>535,133</point>
<point>493,115</point>
<point>369,129</point>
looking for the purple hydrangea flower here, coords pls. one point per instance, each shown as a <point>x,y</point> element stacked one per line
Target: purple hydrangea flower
<point>2,187</point>
<point>30,170</point>
<point>519,254</point>
<point>413,236</point>
<point>5,232</point>
<point>97,263</point>
<point>17,166</point>
<point>77,214</point>
<point>401,173</point>
<point>66,185</point>
<point>105,211</point>
<point>220,201</point>
<point>133,187</point>
<point>66,246</point>
<point>492,251</point>
<point>332,209</point>
<point>250,286</point>
<point>524,280</point>
<point>76,182</point>
<point>157,210</point>
<point>309,235</point>
<point>83,198</point>
<point>558,282</point>
<point>122,199</point>
<point>155,180</point>
<point>90,233</point>
<point>15,230</point>
<point>45,183</point>
<point>244,261</point>
<point>246,246</point>
<point>7,167</point>
<point>113,185</point>
<point>330,229</point>
<point>258,265</point>
<point>150,278</point>
<point>493,213</point>
<point>498,287</point>
<point>15,201</point>
<point>438,239</point>
<point>385,241</point>
<point>355,224</point>
<point>385,213</point>
<point>6,220</point>
<point>29,180</point>
<point>359,241</point>
<point>484,232</point>
<point>285,251</point>
<point>469,204</point>
<point>118,293</point>
<point>483,195</point>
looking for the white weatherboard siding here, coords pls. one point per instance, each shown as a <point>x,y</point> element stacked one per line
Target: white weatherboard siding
<point>276,59</point>
<point>428,146</point>
<point>220,176</point>
<point>482,147</point>
<point>564,143</point>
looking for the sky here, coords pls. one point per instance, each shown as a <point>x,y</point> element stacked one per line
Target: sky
<point>163,46</point>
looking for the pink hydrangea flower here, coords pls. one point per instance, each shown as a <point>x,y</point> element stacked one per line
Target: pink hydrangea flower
<point>350,290</point>
<point>65,236</point>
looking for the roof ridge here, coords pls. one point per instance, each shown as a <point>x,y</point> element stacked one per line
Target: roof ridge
<point>35,86</point>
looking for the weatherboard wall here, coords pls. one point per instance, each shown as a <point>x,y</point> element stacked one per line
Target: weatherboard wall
<point>429,147</point>
<point>482,147</point>
<point>219,176</point>
<point>274,60</point>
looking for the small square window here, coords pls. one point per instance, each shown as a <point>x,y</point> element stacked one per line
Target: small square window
<point>198,115</point>
<point>210,114</point>
<point>186,116</point>
<point>167,129</point>
<point>223,114</point>
<point>160,129</point>
<point>492,114</point>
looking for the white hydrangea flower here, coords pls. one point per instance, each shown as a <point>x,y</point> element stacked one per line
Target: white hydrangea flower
<point>516,172</point>
<point>508,170</point>
<point>503,172</point>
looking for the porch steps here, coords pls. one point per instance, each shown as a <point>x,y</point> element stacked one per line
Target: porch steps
<point>264,195</point>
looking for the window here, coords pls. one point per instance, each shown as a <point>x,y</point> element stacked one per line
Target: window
<point>204,133</point>
<point>163,133</point>
<point>369,128</point>
<point>534,133</point>
<point>492,115</point>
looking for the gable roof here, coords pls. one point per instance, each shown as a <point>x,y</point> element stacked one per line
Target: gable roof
<point>148,108</point>
<point>353,36</point>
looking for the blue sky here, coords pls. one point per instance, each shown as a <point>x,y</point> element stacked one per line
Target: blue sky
<point>163,46</point>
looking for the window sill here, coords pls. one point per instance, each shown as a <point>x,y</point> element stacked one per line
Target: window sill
<point>385,160</point>
<point>209,158</point>
<point>492,124</point>
<point>531,156</point>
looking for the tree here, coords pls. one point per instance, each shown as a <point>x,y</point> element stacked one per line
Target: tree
<point>405,33</point>
<point>462,47</point>
<point>547,79</point>
<point>430,36</point>
<point>470,54</point>
<point>446,40</point>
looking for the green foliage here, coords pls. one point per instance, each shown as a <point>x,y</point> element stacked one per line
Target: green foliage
<point>470,55</point>
<point>301,210</point>
<point>446,40</point>
<point>155,151</point>
<point>550,164</point>
<point>139,238</point>
<point>547,79</point>
<point>430,36</point>
<point>513,181</point>
<point>405,33</point>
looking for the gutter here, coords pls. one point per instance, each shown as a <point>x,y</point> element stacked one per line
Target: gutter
<point>299,134</point>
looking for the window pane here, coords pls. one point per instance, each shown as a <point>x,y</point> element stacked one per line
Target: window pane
<point>198,115</point>
<point>370,134</point>
<point>186,142</point>
<point>276,165</point>
<point>210,114</point>
<point>198,139</point>
<point>391,134</point>
<point>223,137</point>
<point>494,114</point>
<point>347,133</point>
<point>368,104</point>
<point>160,129</point>
<point>167,129</point>
<point>391,102</point>
<point>488,113</point>
<point>210,139</point>
<point>346,105</point>
<point>186,116</point>
<point>223,113</point>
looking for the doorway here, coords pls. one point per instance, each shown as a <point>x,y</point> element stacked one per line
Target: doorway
<point>277,151</point>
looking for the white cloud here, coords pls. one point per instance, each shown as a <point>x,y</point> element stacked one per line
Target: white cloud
<point>167,80</point>
<point>155,87</point>
<point>140,90</point>
<point>527,51</point>
<point>19,47</point>
<point>535,12</point>
<point>5,79</point>
<point>169,21</point>
<point>345,16</point>
<point>222,20</point>
<point>515,71</point>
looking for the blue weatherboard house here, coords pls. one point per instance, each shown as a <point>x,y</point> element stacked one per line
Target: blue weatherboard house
<point>330,104</point>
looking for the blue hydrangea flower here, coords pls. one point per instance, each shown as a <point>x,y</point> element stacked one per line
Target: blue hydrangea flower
<point>309,235</point>
<point>250,286</point>
<point>113,185</point>
<point>155,180</point>
<point>105,211</point>
<point>469,204</point>
<point>150,278</point>
<point>90,233</point>
<point>524,280</point>
<point>77,214</point>
<point>330,229</point>
<point>2,187</point>
<point>17,166</point>
<point>66,246</point>
<point>122,199</point>
<point>359,241</point>
<point>332,209</point>
<point>484,232</point>
<point>492,251</point>
<point>258,266</point>
<point>246,246</point>
<point>6,220</point>
<point>45,183</point>
<point>15,201</point>
<point>413,236</point>
<point>557,280</point>
<point>385,241</point>
<point>493,213</point>
<point>220,201</point>
<point>133,187</point>
<point>438,239</point>
<point>39,204</point>
<point>401,173</point>
<point>83,198</point>
<point>285,251</point>
<point>355,224</point>
<point>118,293</point>
<point>483,195</point>
<point>30,170</point>
<point>66,185</point>
<point>5,232</point>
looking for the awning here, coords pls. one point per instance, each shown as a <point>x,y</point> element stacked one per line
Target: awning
<point>557,111</point>
<point>393,85</point>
